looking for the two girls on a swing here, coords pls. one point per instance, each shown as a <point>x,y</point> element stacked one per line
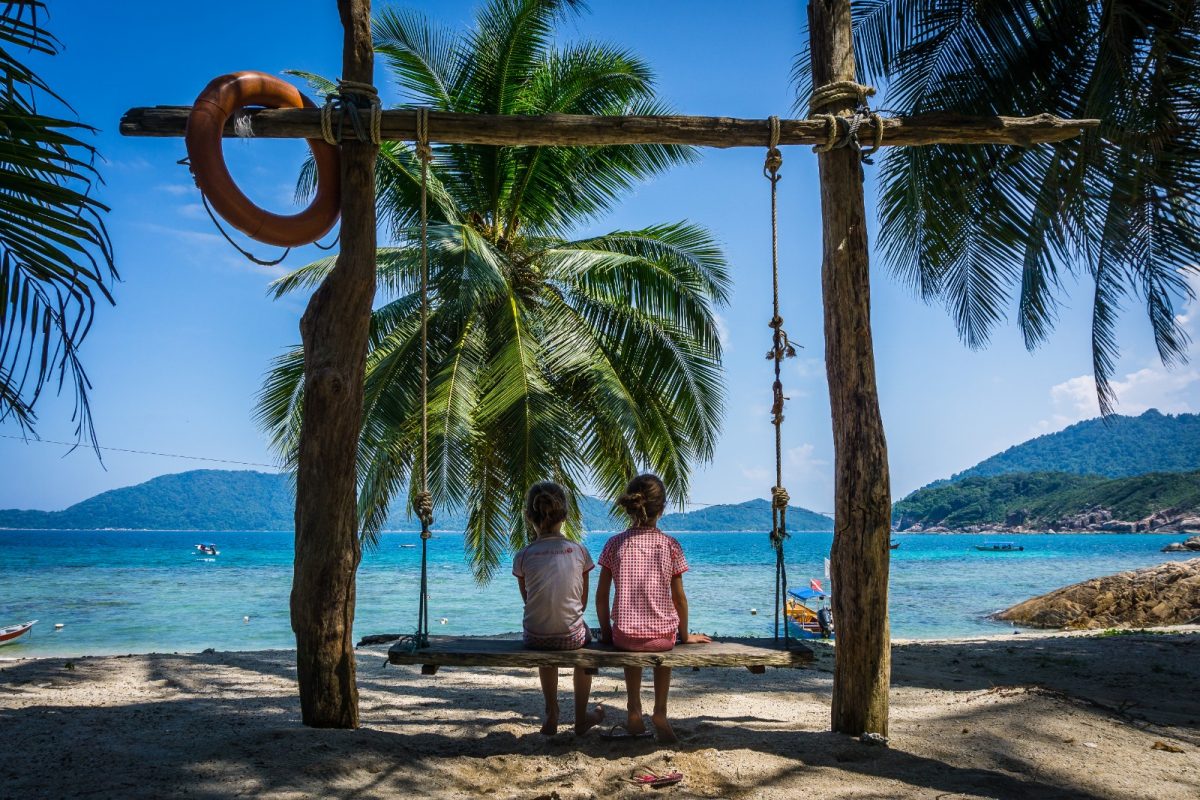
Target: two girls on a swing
<point>648,614</point>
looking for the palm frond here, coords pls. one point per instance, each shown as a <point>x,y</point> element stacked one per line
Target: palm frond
<point>56,260</point>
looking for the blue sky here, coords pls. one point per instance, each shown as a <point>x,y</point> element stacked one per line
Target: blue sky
<point>176,364</point>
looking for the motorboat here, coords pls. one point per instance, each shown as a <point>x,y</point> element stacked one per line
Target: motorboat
<point>999,547</point>
<point>806,621</point>
<point>207,550</point>
<point>12,633</point>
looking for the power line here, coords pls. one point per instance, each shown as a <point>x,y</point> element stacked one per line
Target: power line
<point>28,440</point>
<point>144,452</point>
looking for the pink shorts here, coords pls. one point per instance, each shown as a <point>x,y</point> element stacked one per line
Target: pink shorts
<point>632,644</point>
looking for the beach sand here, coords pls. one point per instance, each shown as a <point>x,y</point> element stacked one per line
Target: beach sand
<point>1027,716</point>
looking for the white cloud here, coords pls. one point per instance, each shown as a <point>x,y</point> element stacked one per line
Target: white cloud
<point>1170,390</point>
<point>177,189</point>
<point>756,473</point>
<point>723,333</point>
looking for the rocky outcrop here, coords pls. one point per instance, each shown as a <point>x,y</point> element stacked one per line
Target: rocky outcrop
<point>1183,547</point>
<point>1168,594</point>
<point>1094,520</point>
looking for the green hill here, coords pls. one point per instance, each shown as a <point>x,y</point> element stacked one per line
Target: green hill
<point>1114,447</point>
<point>1057,500</point>
<point>222,500</point>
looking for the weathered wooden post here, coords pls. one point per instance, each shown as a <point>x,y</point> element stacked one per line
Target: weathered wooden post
<point>862,510</point>
<point>334,331</point>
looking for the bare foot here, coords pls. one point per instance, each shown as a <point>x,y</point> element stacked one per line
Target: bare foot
<point>635,725</point>
<point>662,729</point>
<point>551,726</point>
<point>589,721</point>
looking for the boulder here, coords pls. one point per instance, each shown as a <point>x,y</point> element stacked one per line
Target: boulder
<point>1168,594</point>
<point>1192,543</point>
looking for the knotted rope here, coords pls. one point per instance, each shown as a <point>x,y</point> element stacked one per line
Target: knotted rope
<point>843,131</point>
<point>781,348</point>
<point>423,501</point>
<point>347,101</point>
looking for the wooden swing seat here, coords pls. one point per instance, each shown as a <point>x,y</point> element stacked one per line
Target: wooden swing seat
<point>755,654</point>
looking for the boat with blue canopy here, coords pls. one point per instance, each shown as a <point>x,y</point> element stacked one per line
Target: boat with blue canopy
<point>805,620</point>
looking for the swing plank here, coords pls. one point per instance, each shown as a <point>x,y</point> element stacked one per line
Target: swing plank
<point>449,651</point>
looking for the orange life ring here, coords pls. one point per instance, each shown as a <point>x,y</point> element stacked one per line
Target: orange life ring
<point>219,100</point>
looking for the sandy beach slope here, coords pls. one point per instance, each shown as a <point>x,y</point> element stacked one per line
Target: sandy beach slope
<point>1019,717</point>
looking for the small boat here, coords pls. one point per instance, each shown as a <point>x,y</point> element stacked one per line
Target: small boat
<point>207,550</point>
<point>894,545</point>
<point>805,621</point>
<point>13,632</point>
<point>999,547</point>
<point>406,546</point>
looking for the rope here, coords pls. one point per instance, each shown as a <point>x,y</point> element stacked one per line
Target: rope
<point>221,228</point>
<point>781,348</point>
<point>347,101</point>
<point>843,131</point>
<point>423,502</point>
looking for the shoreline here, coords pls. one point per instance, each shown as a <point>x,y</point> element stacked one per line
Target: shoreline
<point>1017,634</point>
<point>1032,716</point>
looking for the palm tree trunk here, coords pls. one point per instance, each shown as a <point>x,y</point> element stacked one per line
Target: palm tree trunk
<point>334,331</point>
<point>862,505</point>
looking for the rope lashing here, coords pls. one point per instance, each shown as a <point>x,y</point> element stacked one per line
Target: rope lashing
<point>423,501</point>
<point>781,348</point>
<point>350,98</point>
<point>843,131</point>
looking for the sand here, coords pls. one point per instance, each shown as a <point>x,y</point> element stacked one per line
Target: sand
<point>1026,716</point>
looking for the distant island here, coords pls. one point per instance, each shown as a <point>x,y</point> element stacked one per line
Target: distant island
<point>1121,474</point>
<point>1023,502</point>
<point>226,500</point>
<point>1117,447</point>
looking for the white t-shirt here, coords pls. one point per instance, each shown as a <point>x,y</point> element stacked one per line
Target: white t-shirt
<point>553,568</point>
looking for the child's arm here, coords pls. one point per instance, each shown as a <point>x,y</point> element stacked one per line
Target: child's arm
<point>681,608</point>
<point>602,588</point>
<point>521,586</point>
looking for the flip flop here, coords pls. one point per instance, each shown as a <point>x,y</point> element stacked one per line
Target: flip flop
<point>656,781</point>
<point>619,733</point>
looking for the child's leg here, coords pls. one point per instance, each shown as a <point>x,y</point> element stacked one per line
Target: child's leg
<point>633,688</point>
<point>585,719</point>
<point>549,679</point>
<point>662,687</point>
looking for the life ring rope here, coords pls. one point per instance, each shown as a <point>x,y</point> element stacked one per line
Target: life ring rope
<point>221,99</point>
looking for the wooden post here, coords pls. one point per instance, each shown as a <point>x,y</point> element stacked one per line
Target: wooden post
<point>862,505</point>
<point>334,331</point>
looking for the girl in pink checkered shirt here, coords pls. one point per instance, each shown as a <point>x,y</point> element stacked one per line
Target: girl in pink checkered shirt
<point>646,567</point>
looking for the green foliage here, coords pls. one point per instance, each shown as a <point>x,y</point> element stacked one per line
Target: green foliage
<point>551,357</point>
<point>1113,447</point>
<point>1044,497</point>
<point>972,225</point>
<point>55,255</point>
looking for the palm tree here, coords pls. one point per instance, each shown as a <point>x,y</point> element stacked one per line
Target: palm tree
<point>55,255</point>
<point>971,226</point>
<point>580,359</point>
<point>968,225</point>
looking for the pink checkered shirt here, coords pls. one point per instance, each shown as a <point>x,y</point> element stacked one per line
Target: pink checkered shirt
<point>642,562</point>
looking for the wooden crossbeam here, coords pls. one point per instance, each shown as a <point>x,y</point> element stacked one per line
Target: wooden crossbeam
<point>574,130</point>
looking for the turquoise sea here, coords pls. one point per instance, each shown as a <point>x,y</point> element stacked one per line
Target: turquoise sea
<point>139,591</point>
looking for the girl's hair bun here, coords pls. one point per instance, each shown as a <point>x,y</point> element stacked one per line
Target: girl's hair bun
<point>545,505</point>
<point>644,499</point>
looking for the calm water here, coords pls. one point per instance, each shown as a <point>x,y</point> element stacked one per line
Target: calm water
<point>128,592</point>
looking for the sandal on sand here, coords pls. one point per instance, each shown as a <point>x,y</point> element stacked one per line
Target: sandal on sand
<point>620,733</point>
<point>656,781</point>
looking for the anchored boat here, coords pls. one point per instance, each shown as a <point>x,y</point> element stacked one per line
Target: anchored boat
<point>14,632</point>
<point>808,622</point>
<point>999,547</point>
<point>207,550</point>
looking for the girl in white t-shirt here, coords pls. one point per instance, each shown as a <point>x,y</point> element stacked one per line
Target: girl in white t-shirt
<point>552,573</point>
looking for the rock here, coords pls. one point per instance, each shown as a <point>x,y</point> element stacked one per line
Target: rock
<point>1192,543</point>
<point>1117,526</point>
<point>1168,594</point>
